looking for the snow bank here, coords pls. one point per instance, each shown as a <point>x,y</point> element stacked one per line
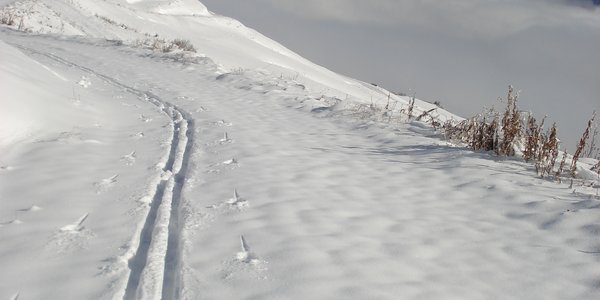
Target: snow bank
<point>34,98</point>
<point>183,7</point>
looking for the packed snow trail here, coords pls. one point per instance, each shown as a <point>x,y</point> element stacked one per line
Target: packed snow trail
<point>156,260</point>
<point>337,207</point>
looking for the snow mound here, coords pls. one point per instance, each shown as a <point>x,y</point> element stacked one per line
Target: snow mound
<point>31,101</point>
<point>171,7</point>
<point>183,7</point>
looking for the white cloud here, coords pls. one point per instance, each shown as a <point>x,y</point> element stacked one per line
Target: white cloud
<point>461,52</point>
<point>458,17</point>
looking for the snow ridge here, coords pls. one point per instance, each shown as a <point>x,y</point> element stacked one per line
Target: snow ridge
<point>154,266</point>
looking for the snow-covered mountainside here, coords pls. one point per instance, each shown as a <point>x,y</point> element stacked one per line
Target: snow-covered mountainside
<point>223,39</point>
<point>243,171</point>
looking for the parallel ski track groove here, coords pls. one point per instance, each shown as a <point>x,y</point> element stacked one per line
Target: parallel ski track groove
<point>172,256</point>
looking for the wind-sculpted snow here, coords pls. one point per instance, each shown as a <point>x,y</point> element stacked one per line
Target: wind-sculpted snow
<point>209,184</point>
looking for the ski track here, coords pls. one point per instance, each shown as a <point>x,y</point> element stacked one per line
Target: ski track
<point>154,266</point>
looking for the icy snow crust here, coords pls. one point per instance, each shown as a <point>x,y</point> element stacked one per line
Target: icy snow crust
<point>131,174</point>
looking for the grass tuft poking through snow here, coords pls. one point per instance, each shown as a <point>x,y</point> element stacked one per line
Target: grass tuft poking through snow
<point>518,134</point>
<point>75,226</point>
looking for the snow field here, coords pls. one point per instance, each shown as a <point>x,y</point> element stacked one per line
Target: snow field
<point>173,162</point>
<point>325,205</point>
<point>69,168</point>
<point>419,220</point>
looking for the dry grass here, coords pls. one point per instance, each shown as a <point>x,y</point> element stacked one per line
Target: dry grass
<point>561,167</point>
<point>479,132</point>
<point>547,153</point>
<point>511,125</point>
<point>184,45</point>
<point>532,137</point>
<point>12,16</point>
<point>8,17</point>
<point>511,135</point>
<point>426,113</point>
<point>592,149</point>
<point>581,145</point>
<point>411,106</point>
<point>165,46</point>
<point>519,134</point>
<point>596,168</point>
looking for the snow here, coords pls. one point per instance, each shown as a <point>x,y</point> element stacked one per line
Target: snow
<point>24,91</point>
<point>217,37</point>
<point>133,174</point>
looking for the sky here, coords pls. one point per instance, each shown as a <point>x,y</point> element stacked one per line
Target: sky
<point>463,53</point>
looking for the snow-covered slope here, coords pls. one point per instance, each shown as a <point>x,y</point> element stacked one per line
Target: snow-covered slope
<point>24,90</point>
<point>225,40</point>
<point>77,155</point>
<point>128,173</point>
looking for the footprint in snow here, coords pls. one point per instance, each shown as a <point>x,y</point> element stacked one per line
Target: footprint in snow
<point>129,159</point>
<point>106,183</point>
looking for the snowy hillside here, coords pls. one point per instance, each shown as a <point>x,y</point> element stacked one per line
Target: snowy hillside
<point>243,171</point>
<point>224,40</point>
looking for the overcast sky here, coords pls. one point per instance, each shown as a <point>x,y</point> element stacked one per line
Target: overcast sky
<point>463,53</point>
